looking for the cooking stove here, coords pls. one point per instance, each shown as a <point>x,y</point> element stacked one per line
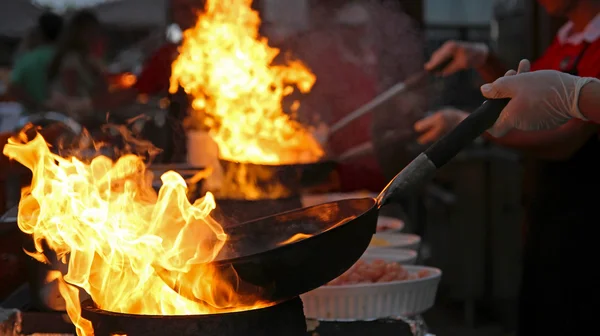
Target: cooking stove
<point>286,318</point>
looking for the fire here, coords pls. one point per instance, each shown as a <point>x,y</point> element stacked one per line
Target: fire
<point>227,67</point>
<point>116,234</point>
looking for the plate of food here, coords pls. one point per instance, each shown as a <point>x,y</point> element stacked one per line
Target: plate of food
<point>395,240</point>
<point>374,289</point>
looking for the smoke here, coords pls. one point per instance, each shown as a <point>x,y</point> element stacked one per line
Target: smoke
<point>355,56</point>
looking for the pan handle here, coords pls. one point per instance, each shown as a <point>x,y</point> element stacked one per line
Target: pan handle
<point>424,166</point>
<point>473,126</point>
<point>443,65</point>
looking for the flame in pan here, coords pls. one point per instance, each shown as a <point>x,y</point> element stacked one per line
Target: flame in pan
<point>104,220</point>
<point>237,90</point>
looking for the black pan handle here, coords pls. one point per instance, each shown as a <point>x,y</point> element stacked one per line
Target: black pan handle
<point>473,126</point>
<point>443,65</point>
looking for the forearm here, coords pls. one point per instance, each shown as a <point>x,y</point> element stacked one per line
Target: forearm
<point>492,69</point>
<point>589,101</point>
<point>557,144</point>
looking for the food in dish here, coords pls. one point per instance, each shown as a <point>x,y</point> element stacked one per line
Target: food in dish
<point>376,271</point>
<point>383,228</point>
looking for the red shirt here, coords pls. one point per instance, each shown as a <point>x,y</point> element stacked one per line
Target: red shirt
<point>156,73</point>
<point>562,56</point>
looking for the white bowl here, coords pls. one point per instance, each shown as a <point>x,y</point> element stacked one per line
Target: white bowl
<point>373,301</point>
<point>396,240</point>
<point>390,223</point>
<point>401,256</point>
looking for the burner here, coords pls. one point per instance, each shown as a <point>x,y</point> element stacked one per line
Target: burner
<point>286,318</point>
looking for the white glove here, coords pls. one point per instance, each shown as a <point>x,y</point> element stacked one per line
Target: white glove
<point>541,100</point>
<point>465,55</point>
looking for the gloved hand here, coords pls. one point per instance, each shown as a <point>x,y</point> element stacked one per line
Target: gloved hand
<point>541,100</point>
<point>465,55</point>
<point>438,124</point>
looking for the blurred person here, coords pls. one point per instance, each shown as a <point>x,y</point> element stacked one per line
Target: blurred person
<point>78,75</point>
<point>156,72</point>
<point>345,63</point>
<point>542,100</point>
<point>29,81</point>
<point>565,162</point>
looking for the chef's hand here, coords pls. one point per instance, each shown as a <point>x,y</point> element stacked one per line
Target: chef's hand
<point>541,100</point>
<point>438,124</point>
<point>465,55</point>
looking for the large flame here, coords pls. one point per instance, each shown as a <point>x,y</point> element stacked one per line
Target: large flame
<point>227,67</point>
<point>116,234</point>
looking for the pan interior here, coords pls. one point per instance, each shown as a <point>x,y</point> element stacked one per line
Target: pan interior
<point>271,232</point>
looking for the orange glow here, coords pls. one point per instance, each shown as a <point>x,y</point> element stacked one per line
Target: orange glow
<point>115,232</point>
<point>227,67</point>
<point>295,238</point>
<point>124,81</point>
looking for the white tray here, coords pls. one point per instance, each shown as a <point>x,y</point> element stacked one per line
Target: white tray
<point>397,240</point>
<point>373,301</point>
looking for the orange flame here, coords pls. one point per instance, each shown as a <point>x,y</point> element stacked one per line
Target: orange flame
<point>115,233</point>
<point>237,92</point>
<point>295,238</point>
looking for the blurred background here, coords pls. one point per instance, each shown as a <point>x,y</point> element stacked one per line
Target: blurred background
<point>470,217</point>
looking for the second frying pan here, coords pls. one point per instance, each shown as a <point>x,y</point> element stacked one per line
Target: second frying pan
<point>330,237</point>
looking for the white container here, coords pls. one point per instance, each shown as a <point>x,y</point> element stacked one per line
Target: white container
<point>401,256</point>
<point>389,224</point>
<point>373,301</point>
<point>395,240</point>
<point>203,151</point>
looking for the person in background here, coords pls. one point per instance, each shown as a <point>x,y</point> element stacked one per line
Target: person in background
<point>345,63</point>
<point>564,163</point>
<point>78,76</point>
<point>543,100</point>
<point>156,72</point>
<point>29,83</point>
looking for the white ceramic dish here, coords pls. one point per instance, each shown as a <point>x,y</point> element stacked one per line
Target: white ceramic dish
<point>395,240</point>
<point>401,256</point>
<point>389,224</point>
<point>373,301</point>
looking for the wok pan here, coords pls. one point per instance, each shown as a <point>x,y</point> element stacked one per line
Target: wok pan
<point>339,231</point>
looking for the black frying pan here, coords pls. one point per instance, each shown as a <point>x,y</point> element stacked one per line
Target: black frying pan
<point>340,231</point>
